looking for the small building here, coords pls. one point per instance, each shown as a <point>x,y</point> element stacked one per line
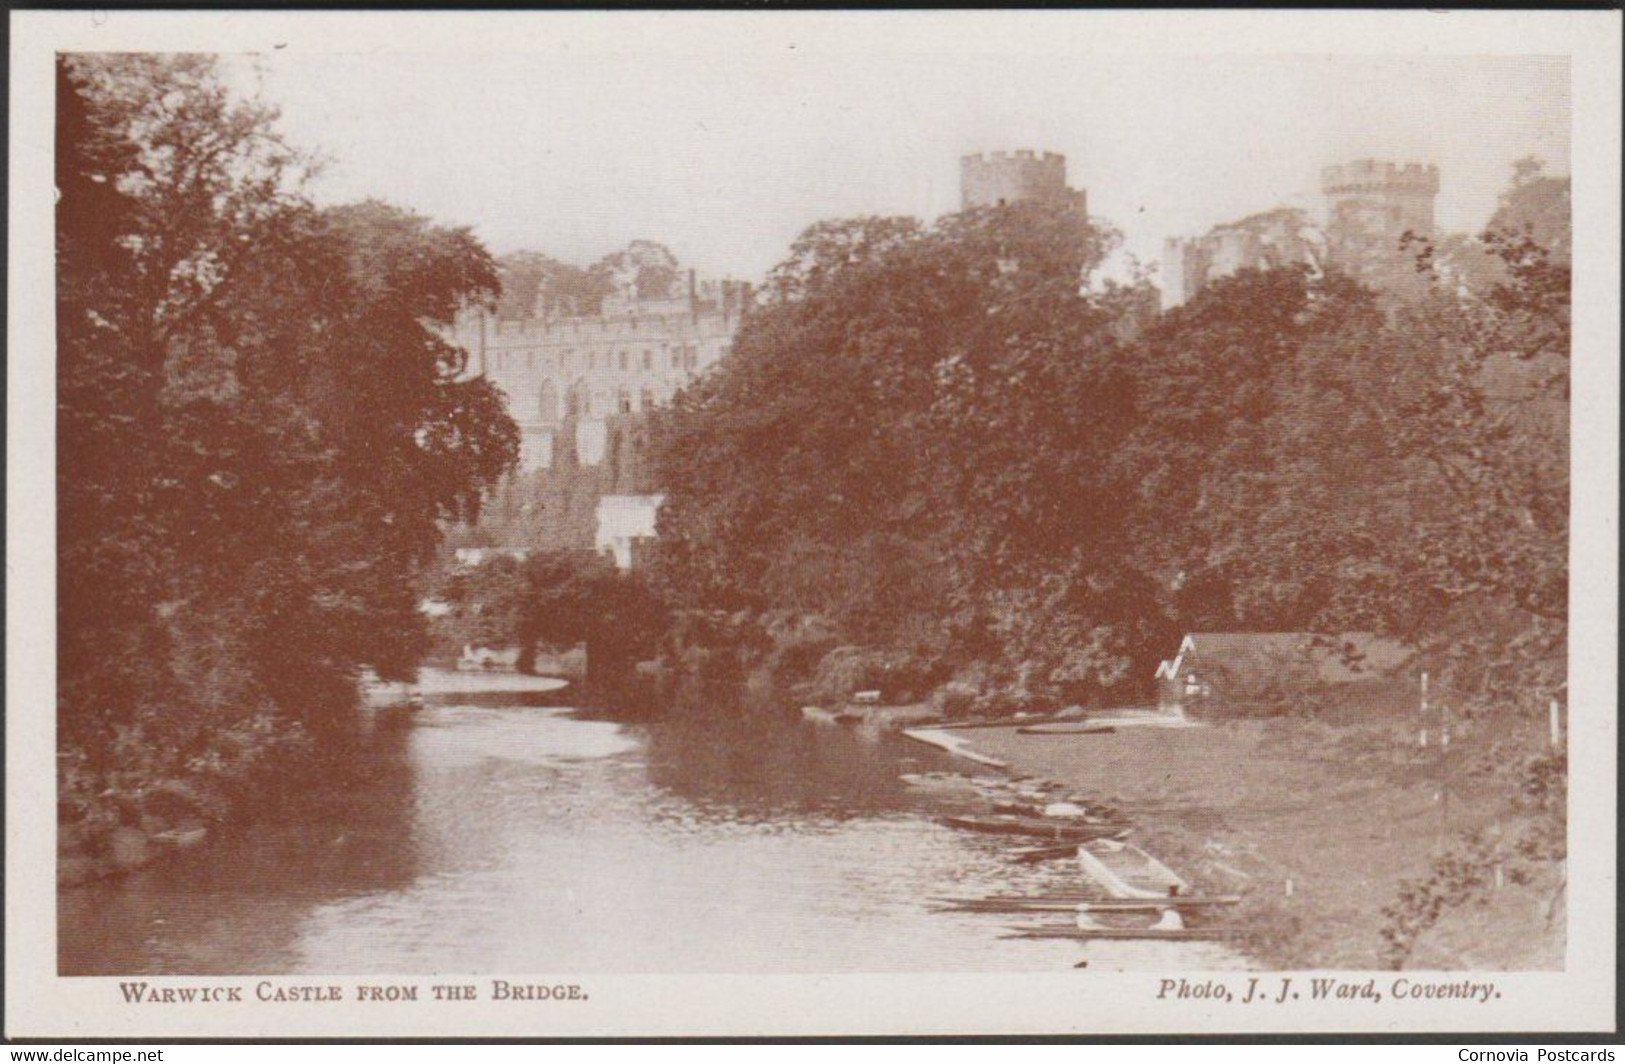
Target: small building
<point>626,525</point>
<point>1264,671</point>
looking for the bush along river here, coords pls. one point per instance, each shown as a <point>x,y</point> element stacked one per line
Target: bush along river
<point>491,832</point>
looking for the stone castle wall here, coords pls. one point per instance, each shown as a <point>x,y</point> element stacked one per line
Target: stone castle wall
<point>581,389</point>
<point>1370,206</point>
<point>630,358</point>
<point>993,179</point>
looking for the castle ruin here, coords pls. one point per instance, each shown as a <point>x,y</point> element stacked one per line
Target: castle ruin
<point>1370,207</point>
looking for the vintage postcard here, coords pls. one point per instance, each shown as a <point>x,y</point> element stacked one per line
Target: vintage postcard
<point>812,523</point>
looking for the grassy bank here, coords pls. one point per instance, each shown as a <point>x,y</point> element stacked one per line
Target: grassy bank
<point>1319,826</point>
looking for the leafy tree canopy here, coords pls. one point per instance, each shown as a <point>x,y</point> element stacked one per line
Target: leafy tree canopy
<point>261,424</point>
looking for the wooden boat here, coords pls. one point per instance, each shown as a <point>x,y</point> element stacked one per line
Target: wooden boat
<point>1133,905</point>
<point>1062,931</point>
<point>1041,827</point>
<point>1066,728</point>
<point>1017,721</point>
<point>1054,904</point>
<point>820,715</point>
<point>952,743</point>
<point>1124,871</point>
<point>954,782</point>
<point>1044,853</point>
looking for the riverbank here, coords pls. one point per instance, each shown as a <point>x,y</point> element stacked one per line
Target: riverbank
<point>150,819</point>
<point>1319,826</point>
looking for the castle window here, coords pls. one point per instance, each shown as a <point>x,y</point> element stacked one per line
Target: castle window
<point>646,401</point>
<point>623,362</point>
<point>623,401</point>
<point>648,359</point>
<point>676,355</point>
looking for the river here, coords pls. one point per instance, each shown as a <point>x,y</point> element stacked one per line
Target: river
<point>490,833</point>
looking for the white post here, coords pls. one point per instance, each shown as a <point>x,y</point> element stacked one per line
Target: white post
<point>1422,738</point>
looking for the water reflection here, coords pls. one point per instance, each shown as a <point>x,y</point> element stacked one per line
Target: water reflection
<point>730,764</point>
<point>239,904</point>
<point>519,838</point>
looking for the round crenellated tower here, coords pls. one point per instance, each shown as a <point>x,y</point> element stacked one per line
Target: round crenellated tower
<point>1371,205</point>
<point>992,179</point>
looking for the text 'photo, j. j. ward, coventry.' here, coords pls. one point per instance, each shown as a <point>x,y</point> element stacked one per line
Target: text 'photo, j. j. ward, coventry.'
<point>797,514</point>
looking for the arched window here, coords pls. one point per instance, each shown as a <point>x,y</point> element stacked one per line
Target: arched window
<point>579,403</point>
<point>547,403</point>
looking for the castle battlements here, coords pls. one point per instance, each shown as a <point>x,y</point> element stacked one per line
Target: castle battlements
<point>1004,158</point>
<point>1370,175</point>
<point>991,179</point>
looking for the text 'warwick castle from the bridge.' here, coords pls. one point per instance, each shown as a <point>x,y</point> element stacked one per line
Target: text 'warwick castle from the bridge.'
<point>578,384</point>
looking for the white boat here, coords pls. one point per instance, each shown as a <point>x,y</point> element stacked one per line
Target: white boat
<point>952,743</point>
<point>1124,871</point>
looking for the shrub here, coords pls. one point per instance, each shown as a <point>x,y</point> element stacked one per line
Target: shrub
<point>899,675</point>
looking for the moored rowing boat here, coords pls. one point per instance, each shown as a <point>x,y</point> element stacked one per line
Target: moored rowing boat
<point>1125,871</point>
<point>1069,829</point>
<point>1177,934</point>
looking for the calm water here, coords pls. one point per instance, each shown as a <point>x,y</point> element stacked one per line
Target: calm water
<point>484,835</point>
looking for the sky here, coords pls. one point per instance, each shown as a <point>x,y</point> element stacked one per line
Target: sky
<point>725,156</point>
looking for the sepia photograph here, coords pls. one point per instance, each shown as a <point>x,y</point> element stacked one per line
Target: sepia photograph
<point>711,495</point>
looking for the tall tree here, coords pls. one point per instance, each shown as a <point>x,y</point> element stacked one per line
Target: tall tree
<point>262,423</point>
<point>903,435</point>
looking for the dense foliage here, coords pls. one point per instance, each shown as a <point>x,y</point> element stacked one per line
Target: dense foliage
<point>538,285</point>
<point>954,440</point>
<point>555,599</point>
<point>260,426</point>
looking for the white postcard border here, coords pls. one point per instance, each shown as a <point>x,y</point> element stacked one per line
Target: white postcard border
<point>41,1004</point>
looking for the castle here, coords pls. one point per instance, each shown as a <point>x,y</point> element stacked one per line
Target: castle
<point>572,373</point>
<point>1370,206</point>
<point>994,179</point>
<point>579,385</point>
